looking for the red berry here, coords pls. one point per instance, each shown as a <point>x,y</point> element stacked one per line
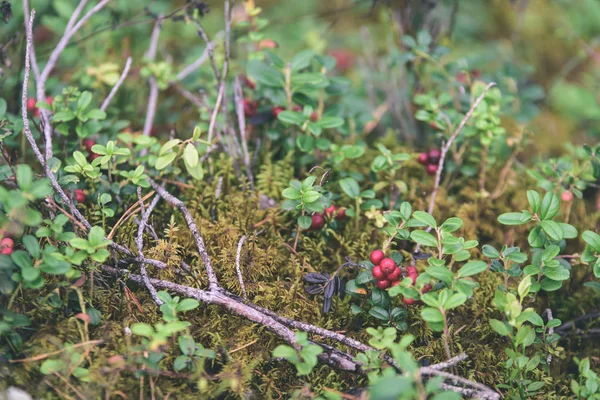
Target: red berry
<point>423,159</point>
<point>49,100</point>
<point>277,110</point>
<point>475,73</point>
<point>408,302</point>
<point>297,107</point>
<point>317,222</point>
<point>383,284</point>
<point>7,242</point>
<point>426,288</point>
<point>432,169</point>
<point>248,82</point>
<point>341,213</point>
<point>329,211</point>
<point>88,144</point>
<point>394,275</point>
<point>7,251</point>
<point>411,270</point>
<point>395,283</point>
<point>387,265</point>
<point>250,108</point>
<point>434,156</point>
<point>313,116</point>
<point>377,256</point>
<point>79,195</point>
<point>462,77</point>
<point>31,104</point>
<point>567,196</point>
<point>413,277</point>
<point>93,156</point>
<point>377,273</point>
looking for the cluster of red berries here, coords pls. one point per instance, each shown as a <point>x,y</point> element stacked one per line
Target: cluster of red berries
<point>430,160</point>
<point>387,273</point>
<point>33,109</point>
<point>318,219</point>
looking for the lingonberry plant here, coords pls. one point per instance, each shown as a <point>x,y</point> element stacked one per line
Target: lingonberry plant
<point>234,201</point>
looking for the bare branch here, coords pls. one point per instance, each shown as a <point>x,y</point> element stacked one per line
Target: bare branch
<point>153,95</point>
<point>34,64</point>
<point>196,64</point>
<point>140,244</point>
<point>70,30</point>
<point>223,77</point>
<point>114,90</point>
<point>239,108</point>
<point>174,201</point>
<point>237,266</point>
<point>446,147</point>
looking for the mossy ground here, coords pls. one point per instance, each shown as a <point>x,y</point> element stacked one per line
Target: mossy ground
<point>273,279</point>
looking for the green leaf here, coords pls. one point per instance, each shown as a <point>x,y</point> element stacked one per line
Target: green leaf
<point>472,268</point>
<point>284,351</point>
<point>310,196</point>
<point>304,222</point>
<point>534,201</point>
<point>424,238</point>
<point>292,193</point>
<point>456,300</point>
<point>490,251</point>
<point>22,259</point>
<point>499,327</point>
<point>301,60</point>
<point>291,117</point>
<point>190,155</point>
<point>96,237</point>
<point>441,273</point>
<point>32,245</point>
<point>514,218</point>
<point>142,329</point>
<point>549,207</point>
<point>379,313</point>
<point>552,229</point>
<point>84,100</point>
<point>330,122</point>
<point>306,143</point>
<point>264,74</point>
<point>24,176</point>
<point>452,224</point>
<point>350,187</point>
<point>425,218</point>
<point>536,237</point>
<point>49,367</point>
<point>570,232</point>
<point>592,239</point>
<point>163,161</point>
<point>187,304</point>
<point>432,315</point>
<point>168,146</point>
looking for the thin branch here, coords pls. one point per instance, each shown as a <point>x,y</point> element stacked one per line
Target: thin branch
<point>70,30</point>
<point>140,244</point>
<point>237,266</point>
<point>446,147</point>
<point>550,332</point>
<point>210,48</point>
<point>114,90</point>
<point>239,108</point>
<point>153,94</point>
<point>196,64</point>
<point>174,201</point>
<point>223,76</point>
<point>34,64</point>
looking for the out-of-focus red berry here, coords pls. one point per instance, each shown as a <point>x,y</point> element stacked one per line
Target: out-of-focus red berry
<point>341,213</point>
<point>431,169</point>
<point>383,284</point>
<point>434,156</point>
<point>79,195</point>
<point>277,110</point>
<point>317,222</point>
<point>567,196</point>
<point>423,159</point>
